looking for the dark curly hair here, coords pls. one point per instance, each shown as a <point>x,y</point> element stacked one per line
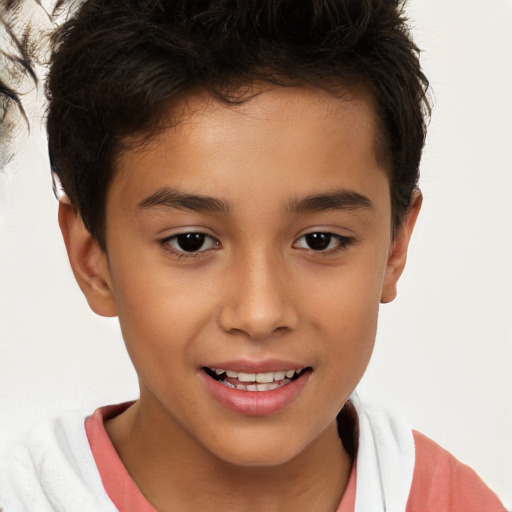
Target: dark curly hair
<point>116,67</point>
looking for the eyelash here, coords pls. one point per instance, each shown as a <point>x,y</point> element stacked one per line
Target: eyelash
<point>180,252</point>
<point>343,243</point>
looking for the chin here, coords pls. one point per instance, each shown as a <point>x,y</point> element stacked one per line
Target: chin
<point>258,454</point>
<point>258,459</point>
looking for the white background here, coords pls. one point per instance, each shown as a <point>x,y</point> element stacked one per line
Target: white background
<point>444,347</point>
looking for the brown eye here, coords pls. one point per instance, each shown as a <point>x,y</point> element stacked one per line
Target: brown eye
<point>318,241</point>
<point>191,242</point>
<point>321,241</point>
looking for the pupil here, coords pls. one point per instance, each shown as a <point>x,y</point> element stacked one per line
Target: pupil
<point>318,241</point>
<point>190,242</point>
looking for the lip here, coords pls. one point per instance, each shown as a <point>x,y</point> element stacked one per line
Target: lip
<point>256,403</point>
<point>246,366</point>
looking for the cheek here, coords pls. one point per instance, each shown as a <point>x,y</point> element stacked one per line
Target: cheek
<point>348,295</point>
<point>159,312</point>
<point>351,340</point>
<point>344,309</point>
<point>351,325</point>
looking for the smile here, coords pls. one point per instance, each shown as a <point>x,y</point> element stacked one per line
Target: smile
<point>266,381</point>
<point>252,392</point>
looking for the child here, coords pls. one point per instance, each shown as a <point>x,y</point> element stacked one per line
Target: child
<point>241,189</point>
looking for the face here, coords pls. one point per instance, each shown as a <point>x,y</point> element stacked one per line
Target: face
<point>248,250</point>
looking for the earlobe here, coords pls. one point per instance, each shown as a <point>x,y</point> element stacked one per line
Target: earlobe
<point>398,253</point>
<point>88,261</point>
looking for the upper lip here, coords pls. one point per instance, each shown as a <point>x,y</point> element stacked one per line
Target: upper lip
<point>248,366</point>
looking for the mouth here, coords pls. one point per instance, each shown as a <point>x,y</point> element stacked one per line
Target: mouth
<point>265,381</point>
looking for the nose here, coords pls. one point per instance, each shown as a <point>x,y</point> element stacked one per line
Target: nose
<point>260,300</point>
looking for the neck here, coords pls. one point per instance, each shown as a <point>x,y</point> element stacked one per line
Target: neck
<point>175,472</point>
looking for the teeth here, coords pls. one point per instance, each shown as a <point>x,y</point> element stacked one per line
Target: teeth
<point>279,375</point>
<point>256,387</point>
<point>260,378</point>
<point>265,377</point>
<point>247,377</point>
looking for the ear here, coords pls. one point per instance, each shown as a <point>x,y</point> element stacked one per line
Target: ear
<point>88,261</point>
<point>398,253</point>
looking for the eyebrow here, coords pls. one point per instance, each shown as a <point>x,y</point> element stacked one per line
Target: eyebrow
<point>172,198</point>
<point>339,199</point>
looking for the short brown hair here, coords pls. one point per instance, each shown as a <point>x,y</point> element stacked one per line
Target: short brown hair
<point>116,66</point>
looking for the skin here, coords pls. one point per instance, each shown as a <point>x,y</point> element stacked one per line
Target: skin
<point>256,292</point>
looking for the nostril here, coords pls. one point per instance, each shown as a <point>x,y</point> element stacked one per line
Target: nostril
<point>258,310</point>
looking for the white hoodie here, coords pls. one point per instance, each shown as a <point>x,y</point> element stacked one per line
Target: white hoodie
<point>54,469</point>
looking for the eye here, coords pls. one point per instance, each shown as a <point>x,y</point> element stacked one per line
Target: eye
<point>320,241</point>
<point>191,242</point>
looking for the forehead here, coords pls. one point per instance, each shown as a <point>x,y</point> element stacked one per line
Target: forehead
<point>277,140</point>
<point>299,112</point>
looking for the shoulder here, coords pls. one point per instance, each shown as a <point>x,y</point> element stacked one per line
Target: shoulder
<point>400,469</point>
<point>443,483</point>
<point>53,470</point>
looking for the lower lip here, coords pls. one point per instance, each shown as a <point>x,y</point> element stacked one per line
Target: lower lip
<point>256,403</point>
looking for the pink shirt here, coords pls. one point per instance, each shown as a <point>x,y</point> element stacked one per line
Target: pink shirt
<point>119,486</point>
<point>440,482</point>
